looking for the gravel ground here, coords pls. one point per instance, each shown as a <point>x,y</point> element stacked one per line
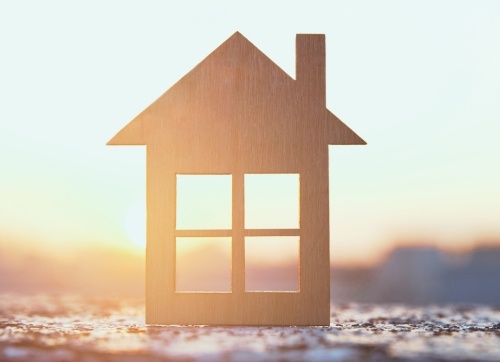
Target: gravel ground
<point>64,328</point>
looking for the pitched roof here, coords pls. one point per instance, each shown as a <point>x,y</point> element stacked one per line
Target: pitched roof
<point>229,81</point>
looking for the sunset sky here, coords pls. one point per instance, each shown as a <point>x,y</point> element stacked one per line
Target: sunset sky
<point>419,81</point>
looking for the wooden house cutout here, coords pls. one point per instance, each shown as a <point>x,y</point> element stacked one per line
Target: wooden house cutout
<point>237,113</point>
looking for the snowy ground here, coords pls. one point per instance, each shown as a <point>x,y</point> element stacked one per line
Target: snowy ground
<point>66,328</point>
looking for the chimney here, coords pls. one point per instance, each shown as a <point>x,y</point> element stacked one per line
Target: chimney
<point>310,66</point>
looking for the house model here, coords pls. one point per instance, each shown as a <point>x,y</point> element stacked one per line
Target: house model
<point>238,114</point>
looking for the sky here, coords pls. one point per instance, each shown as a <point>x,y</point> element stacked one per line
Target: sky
<point>418,80</point>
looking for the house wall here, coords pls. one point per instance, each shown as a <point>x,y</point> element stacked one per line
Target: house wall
<point>165,306</point>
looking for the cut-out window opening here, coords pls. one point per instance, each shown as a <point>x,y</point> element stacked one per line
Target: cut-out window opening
<point>203,264</point>
<point>204,233</point>
<point>276,269</point>
<point>272,201</point>
<point>204,202</point>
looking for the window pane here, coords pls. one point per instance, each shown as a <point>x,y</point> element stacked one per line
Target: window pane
<point>203,264</point>
<point>203,202</point>
<point>272,263</point>
<point>272,201</point>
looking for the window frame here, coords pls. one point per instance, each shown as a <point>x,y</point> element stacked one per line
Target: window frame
<point>238,232</point>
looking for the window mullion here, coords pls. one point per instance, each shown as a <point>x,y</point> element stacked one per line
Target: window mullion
<point>203,233</point>
<point>272,232</point>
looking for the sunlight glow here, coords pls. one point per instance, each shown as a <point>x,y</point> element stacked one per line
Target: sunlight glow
<point>427,175</point>
<point>135,224</point>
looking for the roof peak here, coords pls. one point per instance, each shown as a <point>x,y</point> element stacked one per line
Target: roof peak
<point>237,69</point>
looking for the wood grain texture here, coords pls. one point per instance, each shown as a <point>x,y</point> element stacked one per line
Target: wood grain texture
<point>238,113</point>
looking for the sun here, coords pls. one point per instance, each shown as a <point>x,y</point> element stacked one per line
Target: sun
<point>135,224</point>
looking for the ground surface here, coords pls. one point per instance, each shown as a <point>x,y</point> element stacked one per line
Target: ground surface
<point>46,328</point>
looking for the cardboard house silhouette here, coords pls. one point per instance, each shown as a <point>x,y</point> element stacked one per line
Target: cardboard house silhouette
<point>238,113</point>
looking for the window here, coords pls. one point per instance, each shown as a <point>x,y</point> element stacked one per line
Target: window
<point>276,269</point>
<point>203,264</point>
<point>272,201</point>
<point>203,202</point>
<point>212,232</point>
<point>272,220</point>
<point>203,259</point>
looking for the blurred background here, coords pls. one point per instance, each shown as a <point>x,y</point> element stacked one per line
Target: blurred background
<point>415,214</point>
